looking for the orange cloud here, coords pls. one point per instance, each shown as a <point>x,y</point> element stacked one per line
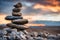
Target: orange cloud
<point>53,2</point>
<point>2,19</point>
<point>41,25</point>
<point>51,8</point>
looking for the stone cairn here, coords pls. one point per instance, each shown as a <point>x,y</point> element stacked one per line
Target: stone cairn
<point>17,19</point>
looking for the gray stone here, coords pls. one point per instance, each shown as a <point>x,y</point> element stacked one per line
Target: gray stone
<point>25,32</point>
<point>13,17</point>
<point>19,27</point>
<point>34,34</point>
<point>30,38</point>
<point>16,14</point>
<point>18,5</point>
<point>9,31</point>
<point>41,34</point>
<point>38,38</point>
<point>16,10</point>
<point>51,37</point>
<point>2,26</point>
<point>20,21</point>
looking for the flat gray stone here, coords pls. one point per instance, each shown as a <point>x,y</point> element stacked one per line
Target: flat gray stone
<point>13,17</point>
<point>20,21</point>
<point>19,27</point>
<point>16,14</point>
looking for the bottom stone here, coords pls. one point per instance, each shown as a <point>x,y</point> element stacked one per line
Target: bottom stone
<point>19,27</point>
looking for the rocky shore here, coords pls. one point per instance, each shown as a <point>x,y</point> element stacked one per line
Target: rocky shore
<point>14,34</point>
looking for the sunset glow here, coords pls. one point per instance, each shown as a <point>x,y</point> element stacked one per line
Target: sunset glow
<point>41,25</point>
<point>51,8</point>
<point>2,19</point>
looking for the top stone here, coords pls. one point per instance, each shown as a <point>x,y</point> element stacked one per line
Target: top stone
<point>18,5</point>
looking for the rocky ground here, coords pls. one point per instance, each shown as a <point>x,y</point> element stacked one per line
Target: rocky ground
<point>29,34</point>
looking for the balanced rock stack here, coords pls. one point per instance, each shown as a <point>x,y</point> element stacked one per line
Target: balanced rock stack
<point>17,19</point>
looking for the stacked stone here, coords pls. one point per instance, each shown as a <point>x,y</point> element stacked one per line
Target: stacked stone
<point>17,19</point>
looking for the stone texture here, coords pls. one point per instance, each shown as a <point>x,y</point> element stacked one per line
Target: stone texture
<point>16,10</point>
<point>2,26</point>
<point>13,17</point>
<point>21,27</point>
<point>16,14</point>
<point>20,21</point>
<point>18,5</point>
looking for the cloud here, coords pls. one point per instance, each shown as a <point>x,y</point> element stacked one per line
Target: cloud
<point>32,7</point>
<point>52,5</point>
<point>45,2</point>
<point>51,8</point>
<point>30,10</point>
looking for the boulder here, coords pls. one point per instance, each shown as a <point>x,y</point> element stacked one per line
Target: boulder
<point>13,17</point>
<point>16,10</point>
<point>16,14</point>
<point>20,21</point>
<point>19,27</point>
<point>18,5</point>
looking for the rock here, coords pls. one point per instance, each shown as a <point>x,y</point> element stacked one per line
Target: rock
<point>18,5</point>
<point>51,37</point>
<point>39,38</point>
<point>1,32</point>
<point>19,27</point>
<point>22,35</point>
<point>20,21</point>
<point>16,10</point>
<point>2,26</point>
<point>58,37</point>
<point>41,34</point>
<point>13,17</point>
<point>16,14</point>
<point>6,30</point>
<point>9,31</point>
<point>34,34</point>
<point>25,32</point>
<point>30,38</point>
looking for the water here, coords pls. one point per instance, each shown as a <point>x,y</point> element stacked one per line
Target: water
<point>48,23</point>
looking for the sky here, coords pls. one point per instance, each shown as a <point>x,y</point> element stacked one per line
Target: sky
<point>33,10</point>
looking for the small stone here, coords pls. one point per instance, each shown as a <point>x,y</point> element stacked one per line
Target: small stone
<point>13,17</point>
<point>16,14</point>
<point>19,27</point>
<point>31,38</point>
<point>22,35</point>
<point>2,26</point>
<point>25,32</point>
<point>20,21</point>
<point>34,34</point>
<point>18,5</point>
<point>39,38</point>
<point>51,36</point>
<point>41,34</point>
<point>16,10</point>
<point>9,31</point>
